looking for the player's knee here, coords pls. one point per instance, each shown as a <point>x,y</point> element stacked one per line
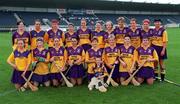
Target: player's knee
<point>150,81</point>
<point>47,84</point>
<point>140,80</point>
<point>36,84</point>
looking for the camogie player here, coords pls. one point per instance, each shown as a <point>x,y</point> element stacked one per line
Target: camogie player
<point>135,33</point>
<point>109,27</point>
<point>58,58</point>
<point>20,34</point>
<point>127,59</point>
<point>37,33</point>
<point>84,35</point>
<point>100,34</point>
<point>109,30</point>
<point>146,30</point>
<point>20,59</point>
<point>55,32</point>
<point>40,58</point>
<point>159,42</point>
<point>76,56</point>
<point>69,35</point>
<point>111,54</point>
<point>120,31</point>
<point>146,56</point>
<point>91,55</point>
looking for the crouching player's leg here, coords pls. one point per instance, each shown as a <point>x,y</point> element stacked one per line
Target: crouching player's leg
<point>145,74</point>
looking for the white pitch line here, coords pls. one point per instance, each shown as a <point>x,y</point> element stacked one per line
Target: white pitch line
<point>7,92</point>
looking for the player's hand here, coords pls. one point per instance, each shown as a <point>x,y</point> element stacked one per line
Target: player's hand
<point>70,62</point>
<point>162,53</point>
<point>124,64</point>
<point>116,62</point>
<point>130,71</point>
<point>14,66</point>
<point>110,66</point>
<point>52,59</point>
<point>77,62</point>
<point>62,69</point>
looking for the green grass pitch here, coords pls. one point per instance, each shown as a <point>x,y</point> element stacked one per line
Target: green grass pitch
<point>159,93</point>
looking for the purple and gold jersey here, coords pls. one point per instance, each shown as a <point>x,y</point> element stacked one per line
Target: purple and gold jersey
<point>99,70</point>
<point>119,34</point>
<point>84,36</point>
<point>106,37</point>
<point>75,54</point>
<point>20,59</point>
<point>142,54</point>
<point>101,36</point>
<point>34,35</point>
<point>25,36</point>
<point>68,38</point>
<point>42,67</point>
<point>60,57</point>
<point>127,55</point>
<point>110,55</point>
<point>91,54</point>
<point>159,37</point>
<point>135,37</point>
<point>51,35</point>
<point>148,34</point>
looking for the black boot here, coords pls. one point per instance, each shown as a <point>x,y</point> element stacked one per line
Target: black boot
<point>163,74</point>
<point>162,77</point>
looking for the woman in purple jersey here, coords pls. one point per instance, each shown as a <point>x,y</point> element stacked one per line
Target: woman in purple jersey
<point>76,56</point>
<point>69,35</point>
<point>40,59</point>
<point>20,34</point>
<point>84,35</point>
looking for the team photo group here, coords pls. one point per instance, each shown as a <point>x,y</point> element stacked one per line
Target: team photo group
<point>107,55</point>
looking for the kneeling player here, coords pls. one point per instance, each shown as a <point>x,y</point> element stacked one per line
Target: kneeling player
<point>111,54</point>
<point>20,59</point>
<point>127,59</point>
<point>40,59</point>
<point>58,57</point>
<point>146,56</point>
<point>76,57</point>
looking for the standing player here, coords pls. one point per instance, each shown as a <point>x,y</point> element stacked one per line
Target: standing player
<point>58,57</point>
<point>55,32</point>
<point>110,55</point>
<point>76,56</point>
<point>69,35</point>
<point>146,30</point>
<point>20,34</point>
<point>109,28</point>
<point>20,59</point>
<point>84,35</point>
<point>100,34</point>
<point>135,33</point>
<point>127,60</point>
<point>40,58</point>
<point>146,56</point>
<point>37,33</point>
<point>91,55</point>
<point>120,31</point>
<point>159,43</point>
